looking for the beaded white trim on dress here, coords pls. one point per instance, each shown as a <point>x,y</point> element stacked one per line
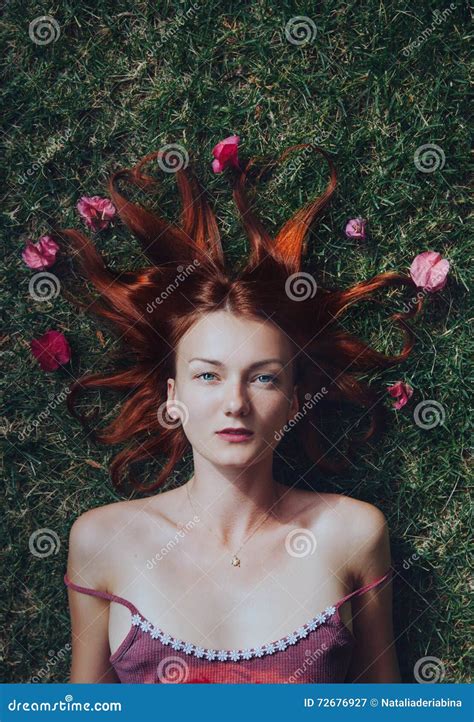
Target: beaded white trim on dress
<point>223,655</point>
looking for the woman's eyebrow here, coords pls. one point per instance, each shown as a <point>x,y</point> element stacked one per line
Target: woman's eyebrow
<point>252,366</point>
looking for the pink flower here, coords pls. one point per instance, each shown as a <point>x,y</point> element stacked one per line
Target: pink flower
<point>51,350</point>
<point>96,211</point>
<point>429,270</point>
<point>355,228</point>
<point>400,391</point>
<point>41,254</point>
<point>225,153</point>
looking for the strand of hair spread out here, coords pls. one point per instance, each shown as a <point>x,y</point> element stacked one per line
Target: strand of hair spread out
<point>150,309</point>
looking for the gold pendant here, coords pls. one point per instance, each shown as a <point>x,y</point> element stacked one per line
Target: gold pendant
<point>235,561</point>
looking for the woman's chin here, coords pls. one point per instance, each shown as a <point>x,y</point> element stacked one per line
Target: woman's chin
<point>242,455</point>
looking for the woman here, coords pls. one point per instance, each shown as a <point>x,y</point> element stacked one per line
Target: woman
<point>231,576</point>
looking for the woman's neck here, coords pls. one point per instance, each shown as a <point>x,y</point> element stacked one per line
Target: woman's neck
<point>233,502</point>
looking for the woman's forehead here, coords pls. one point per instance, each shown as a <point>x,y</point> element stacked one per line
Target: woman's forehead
<point>233,340</point>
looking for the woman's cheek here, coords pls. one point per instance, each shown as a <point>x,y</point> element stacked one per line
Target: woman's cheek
<point>201,410</point>
<point>272,423</point>
<point>197,402</point>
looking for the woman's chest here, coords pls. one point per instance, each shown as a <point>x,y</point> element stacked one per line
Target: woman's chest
<point>205,600</point>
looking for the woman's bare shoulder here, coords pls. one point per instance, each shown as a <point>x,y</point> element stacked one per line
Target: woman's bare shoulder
<point>93,540</point>
<point>119,511</point>
<point>336,504</point>
<point>355,510</point>
<point>95,521</point>
<point>350,524</point>
<point>364,522</point>
<point>118,520</point>
<point>363,529</point>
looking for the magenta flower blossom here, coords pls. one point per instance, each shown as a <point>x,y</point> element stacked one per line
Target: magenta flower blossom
<point>225,153</point>
<point>429,271</point>
<point>355,228</point>
<point>97,212</point>
<point>41,254</point>
<point>51,350</point>
<point>400,391</point>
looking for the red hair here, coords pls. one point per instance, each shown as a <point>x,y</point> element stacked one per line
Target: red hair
<point>150,309</point>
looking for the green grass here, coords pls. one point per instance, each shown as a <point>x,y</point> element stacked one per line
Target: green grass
<point>122,80</point>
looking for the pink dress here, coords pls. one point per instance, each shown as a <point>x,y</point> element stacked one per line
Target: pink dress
<point>318,651</point>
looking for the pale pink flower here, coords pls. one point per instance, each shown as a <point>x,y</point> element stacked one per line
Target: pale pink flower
<point>429,271</point>
<point>225,153</point>
<point>51,350</point>
<point>97,212</point>
<point>41,254</point>
<point>355,228</point>
<point>400,391</point>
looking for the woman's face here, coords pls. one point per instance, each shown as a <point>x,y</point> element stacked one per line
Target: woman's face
<point>236,385</point>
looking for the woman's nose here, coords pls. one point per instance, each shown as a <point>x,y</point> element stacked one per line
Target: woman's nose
<point>236,398</point>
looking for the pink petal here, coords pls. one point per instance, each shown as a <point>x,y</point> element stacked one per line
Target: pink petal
<point>429,271</point>
<point>402,391</point>
<point>355,228</point>
<point>396,389</point>
<point>225,153</point>
<point>231,142</point>
<point>96,211</point>
<point>41,254</point>
<point>32,256</point>
<point>51,349</point>
<point>217,166</point>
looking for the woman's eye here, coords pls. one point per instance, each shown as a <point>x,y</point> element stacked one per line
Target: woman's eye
<point>206,373</point>
<point>268,376</point>
<point>271,377</point>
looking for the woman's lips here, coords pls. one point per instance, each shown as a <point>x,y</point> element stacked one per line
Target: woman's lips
<point>234,436</point>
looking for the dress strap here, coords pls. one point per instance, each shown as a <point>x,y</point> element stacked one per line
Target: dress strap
<point>98,593</point>
<point>365,588</point>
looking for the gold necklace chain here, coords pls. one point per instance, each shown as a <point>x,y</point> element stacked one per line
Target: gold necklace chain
<point>235,561</point>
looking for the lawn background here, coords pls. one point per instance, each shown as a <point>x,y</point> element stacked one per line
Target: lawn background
<point>124,79</point>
